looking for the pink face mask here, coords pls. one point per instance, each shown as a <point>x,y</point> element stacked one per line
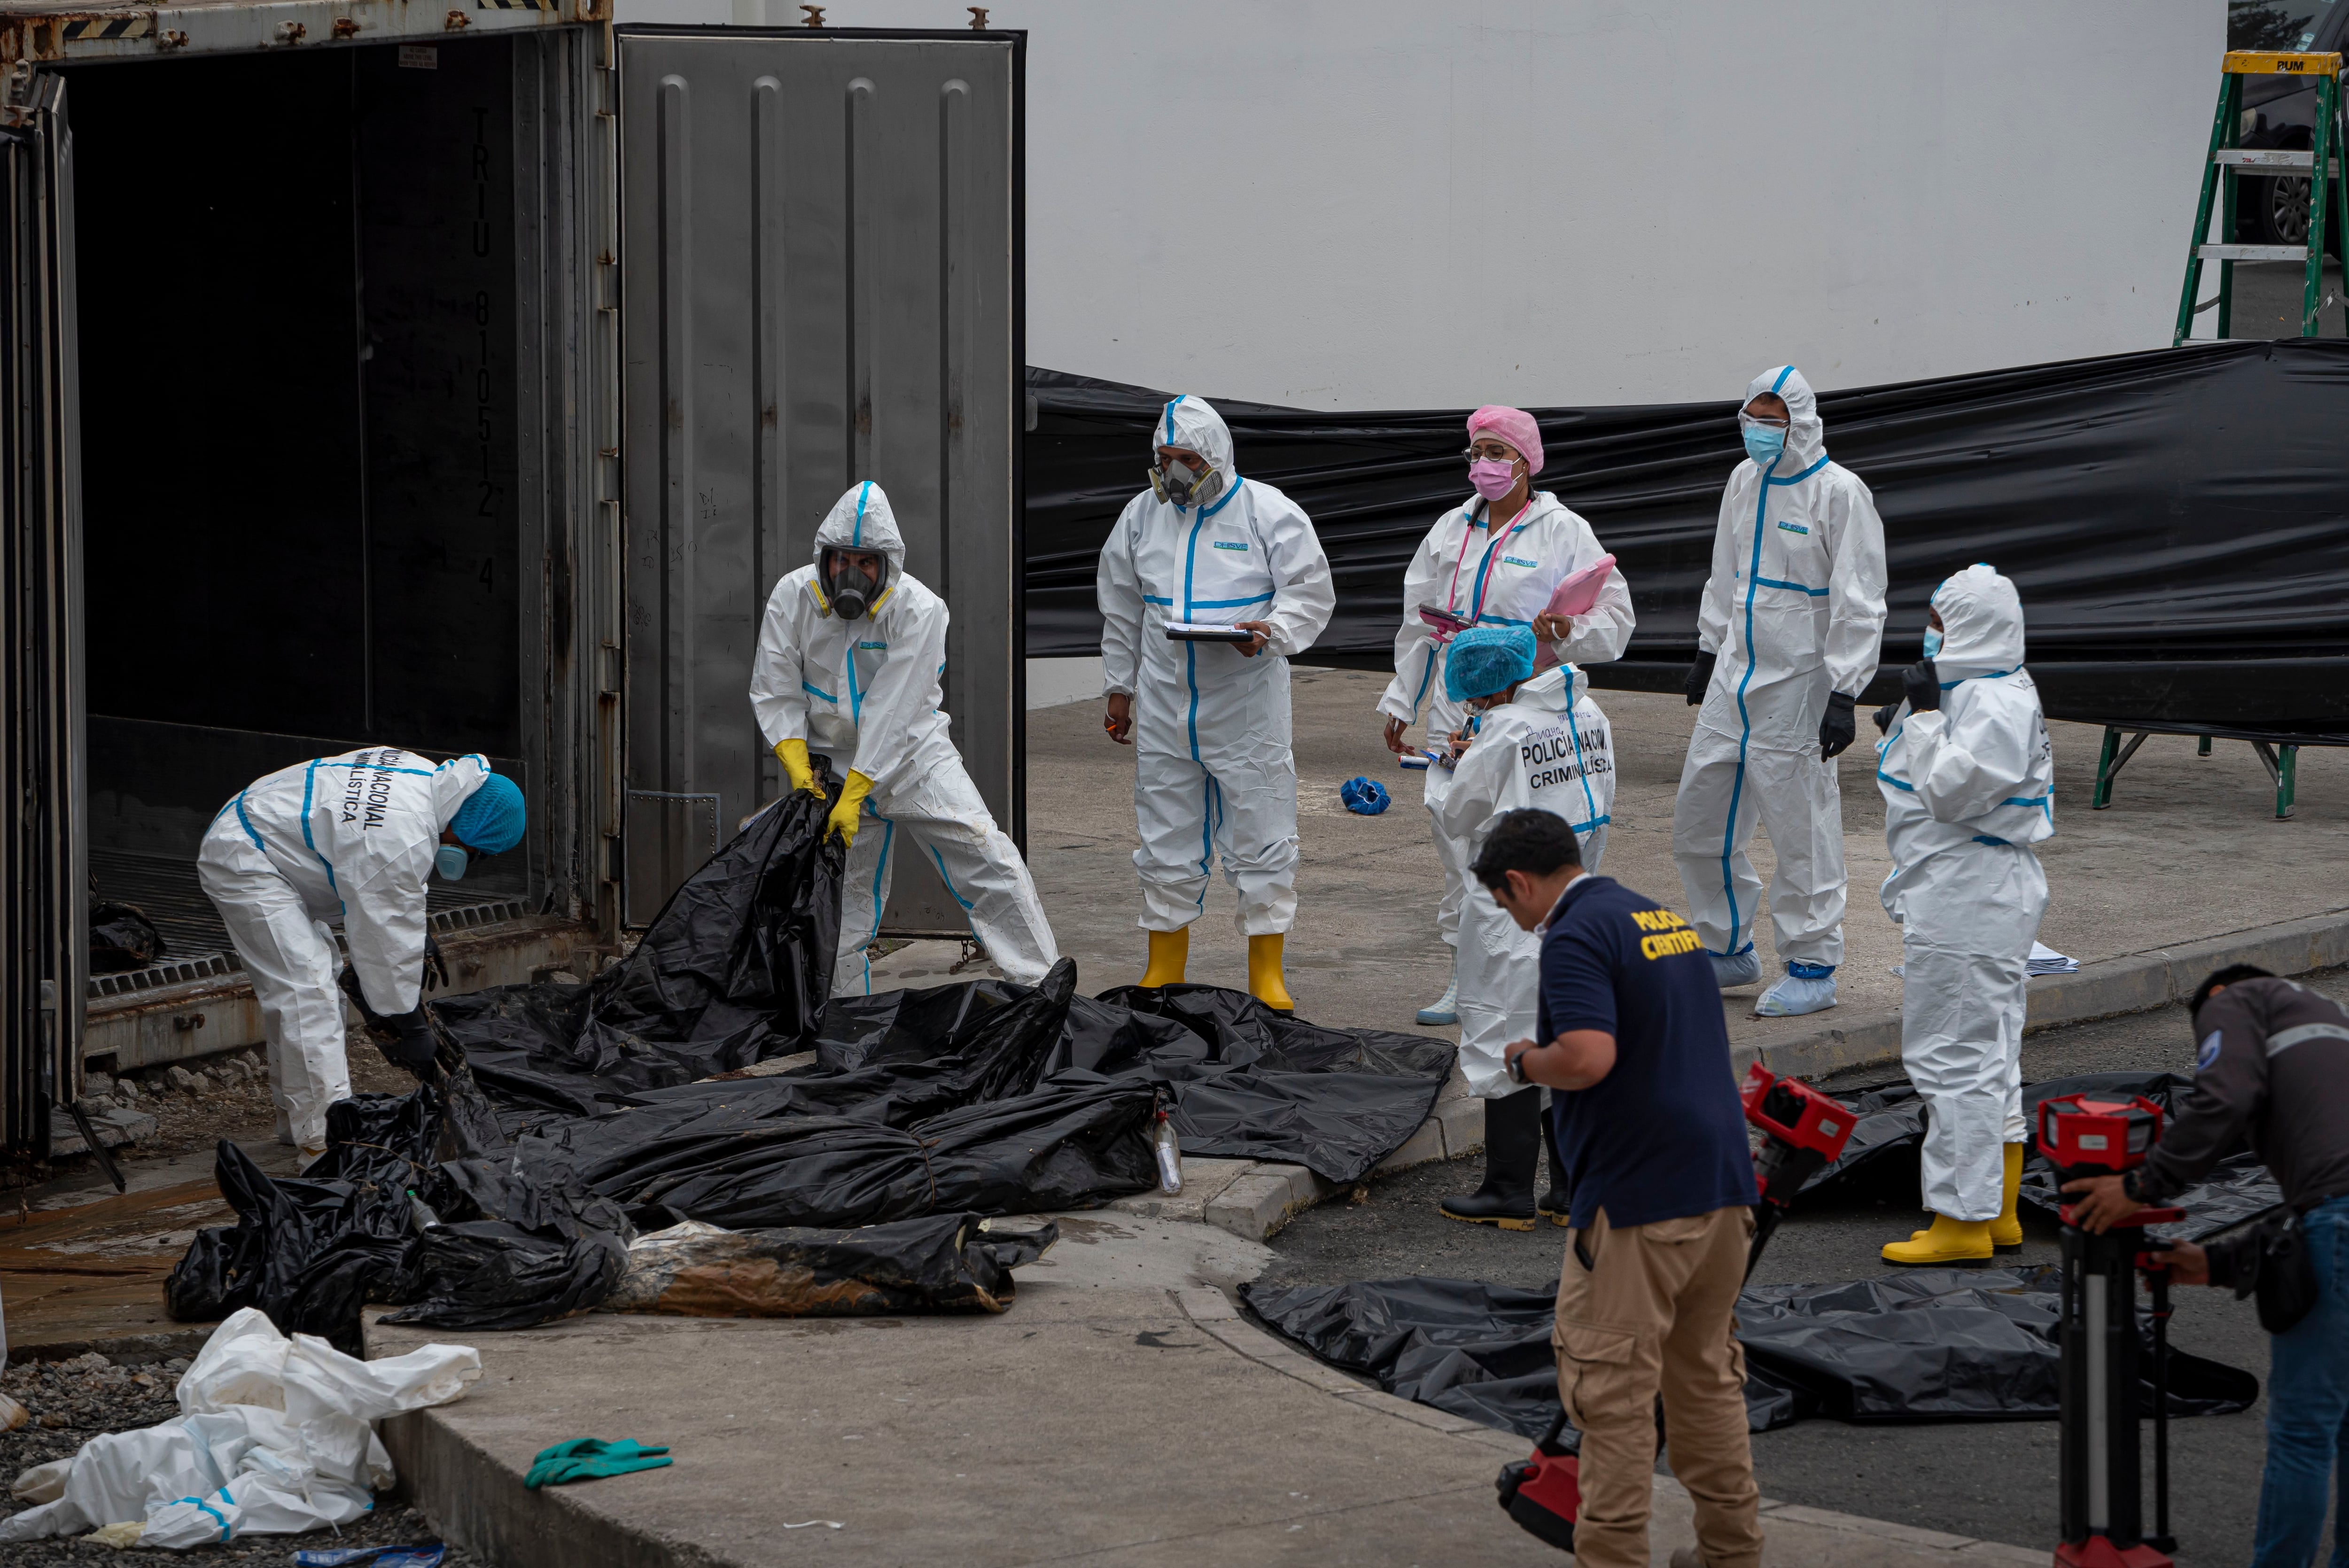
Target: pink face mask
<point>1493,477</point>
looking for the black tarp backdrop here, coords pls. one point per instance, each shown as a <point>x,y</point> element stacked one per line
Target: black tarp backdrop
<point>2177,521</point>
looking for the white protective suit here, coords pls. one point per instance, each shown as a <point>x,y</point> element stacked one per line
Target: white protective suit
<point>274,1438</point>
<point>1794,609</point>
<point>1549,747</point>
<point>1213,775</point>
<point>1966,790</point>
<point>1494,581</point>
<point>351,837</point>
<point>865,694</point>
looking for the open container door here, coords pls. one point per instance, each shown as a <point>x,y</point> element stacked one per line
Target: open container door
<point>821,282</point>
<point>44,860</point>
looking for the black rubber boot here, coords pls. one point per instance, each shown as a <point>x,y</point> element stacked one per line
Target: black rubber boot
<point>1556,1200</point>
<point>1512,1150</point>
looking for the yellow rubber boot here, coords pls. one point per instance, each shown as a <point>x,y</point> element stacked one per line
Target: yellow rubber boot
<point>1264,973</point>
<point>1948,1242</point>
<point>2007,1231</point>
<point>1169,952</point>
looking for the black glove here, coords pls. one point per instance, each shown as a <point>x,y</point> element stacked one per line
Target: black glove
<point>406,1041</point>
<point>1922,682</point>
<point>436,967</point>
<point>1700,676</point>
<point>1885,716</point>
<point>1836,726</point>
<point>351,988</point>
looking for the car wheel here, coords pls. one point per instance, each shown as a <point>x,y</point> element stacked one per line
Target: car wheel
<point>2279,212</point>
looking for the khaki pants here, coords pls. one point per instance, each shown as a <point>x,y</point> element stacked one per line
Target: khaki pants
<point>1656,1312</point>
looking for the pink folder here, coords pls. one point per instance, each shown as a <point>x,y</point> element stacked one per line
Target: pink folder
<point>1580,592</point>
<point>1574,597</point>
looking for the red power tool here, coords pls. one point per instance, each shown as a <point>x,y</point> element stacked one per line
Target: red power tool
<point>2097,1458</point>
<point>1803,1132</point>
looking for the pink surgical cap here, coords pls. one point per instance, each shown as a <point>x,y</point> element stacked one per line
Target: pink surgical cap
<point>1514,426</point>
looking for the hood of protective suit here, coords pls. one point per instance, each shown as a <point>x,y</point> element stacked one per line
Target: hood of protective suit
<point>1806,437</point>
<point>1982,623</point>
<point>1195,426</point>
<point>861,520</point>
<point>1555,690</point>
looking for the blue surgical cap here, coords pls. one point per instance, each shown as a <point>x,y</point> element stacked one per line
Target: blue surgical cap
<point>490,819</point>
<point>1487,659</point>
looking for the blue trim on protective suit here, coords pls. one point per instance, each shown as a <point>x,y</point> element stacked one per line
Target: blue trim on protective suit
<point>1797,587</point>
<point>1745,719</point>
<point>855,697</point>
<point>246,822</point>
<point>857,539</point>
<point>948,880</point>
<point>818,691</point>
<point>1234,603</point>
<point>218,1517</point>
<point>1995,843</point>
<point>1421,696</point>
<point>1222,500</point>
<point>1154,599</point>
<point>1170,419</point>
<point>1587,797</point>
<point>309,775</point>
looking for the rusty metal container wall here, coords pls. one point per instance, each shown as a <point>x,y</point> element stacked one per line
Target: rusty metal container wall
<point>820,284</point>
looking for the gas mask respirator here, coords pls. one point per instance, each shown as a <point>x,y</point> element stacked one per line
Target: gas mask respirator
<point>1179,484</point>
<point>852,592</point>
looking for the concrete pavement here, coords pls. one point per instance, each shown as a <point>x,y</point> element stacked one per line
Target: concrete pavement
<point>2190,853</point>
<point>1119,1412</point>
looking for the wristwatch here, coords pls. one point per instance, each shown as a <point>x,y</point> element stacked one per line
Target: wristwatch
<point>1517,1068</point>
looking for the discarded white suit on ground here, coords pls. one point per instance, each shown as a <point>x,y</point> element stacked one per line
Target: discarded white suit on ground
<point>1967,789</point>
<point>1794,608</point>
<point>1213,775</point>
<point>273,1438</point>
<point>1502,578</point>
<point>350,836</point>
<point>865,692</point>
<point>1548,748</point>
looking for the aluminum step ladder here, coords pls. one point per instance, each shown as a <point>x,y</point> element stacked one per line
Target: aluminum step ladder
<point>2229,162</point>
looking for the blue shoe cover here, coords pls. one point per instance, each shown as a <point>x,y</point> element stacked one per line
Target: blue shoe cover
<point>1445,1009</point>
<point>1742,969</point>
<point>1796,995</point>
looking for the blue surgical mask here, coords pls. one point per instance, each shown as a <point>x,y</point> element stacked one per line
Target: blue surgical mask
<point>1763,443</point>
<point>449,860</point>
<point>1932,642</point>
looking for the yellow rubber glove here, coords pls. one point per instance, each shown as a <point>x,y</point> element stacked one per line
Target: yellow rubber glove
<point>792,755</point>
<point>846,809</point>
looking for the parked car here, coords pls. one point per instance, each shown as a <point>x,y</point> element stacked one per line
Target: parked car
<point>2280,111</point>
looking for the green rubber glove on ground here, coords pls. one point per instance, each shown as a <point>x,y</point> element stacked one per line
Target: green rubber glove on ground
<point>587,1458</point>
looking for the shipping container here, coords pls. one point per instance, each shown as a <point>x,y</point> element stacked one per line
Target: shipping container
<point>463,379</point>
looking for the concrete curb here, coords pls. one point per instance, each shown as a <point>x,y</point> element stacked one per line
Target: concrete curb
<point>1252,1199</point>
<point>1213,1314</point>
<point>2134,983</point>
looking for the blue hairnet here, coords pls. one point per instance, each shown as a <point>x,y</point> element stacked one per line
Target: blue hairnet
<point>490,819</point>
<point>1364,797</point>
<point>1487,659</point>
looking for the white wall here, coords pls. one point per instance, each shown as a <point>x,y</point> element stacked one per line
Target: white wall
<point>1416,203</point>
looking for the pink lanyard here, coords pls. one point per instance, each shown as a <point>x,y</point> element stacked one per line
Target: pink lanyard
<point>1494,537</point>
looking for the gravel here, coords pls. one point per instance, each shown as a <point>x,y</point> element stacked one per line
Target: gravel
<point>74,1401</point>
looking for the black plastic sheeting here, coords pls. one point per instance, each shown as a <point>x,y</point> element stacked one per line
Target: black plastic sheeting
<point>2177,521</point>
<point>1927,1345</point>
<point>571,1117</point>
<point>1892,1119</point>
<point>416,1201</point>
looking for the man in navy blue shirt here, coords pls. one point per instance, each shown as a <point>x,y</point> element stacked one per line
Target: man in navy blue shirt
<point>1654,1142</point>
